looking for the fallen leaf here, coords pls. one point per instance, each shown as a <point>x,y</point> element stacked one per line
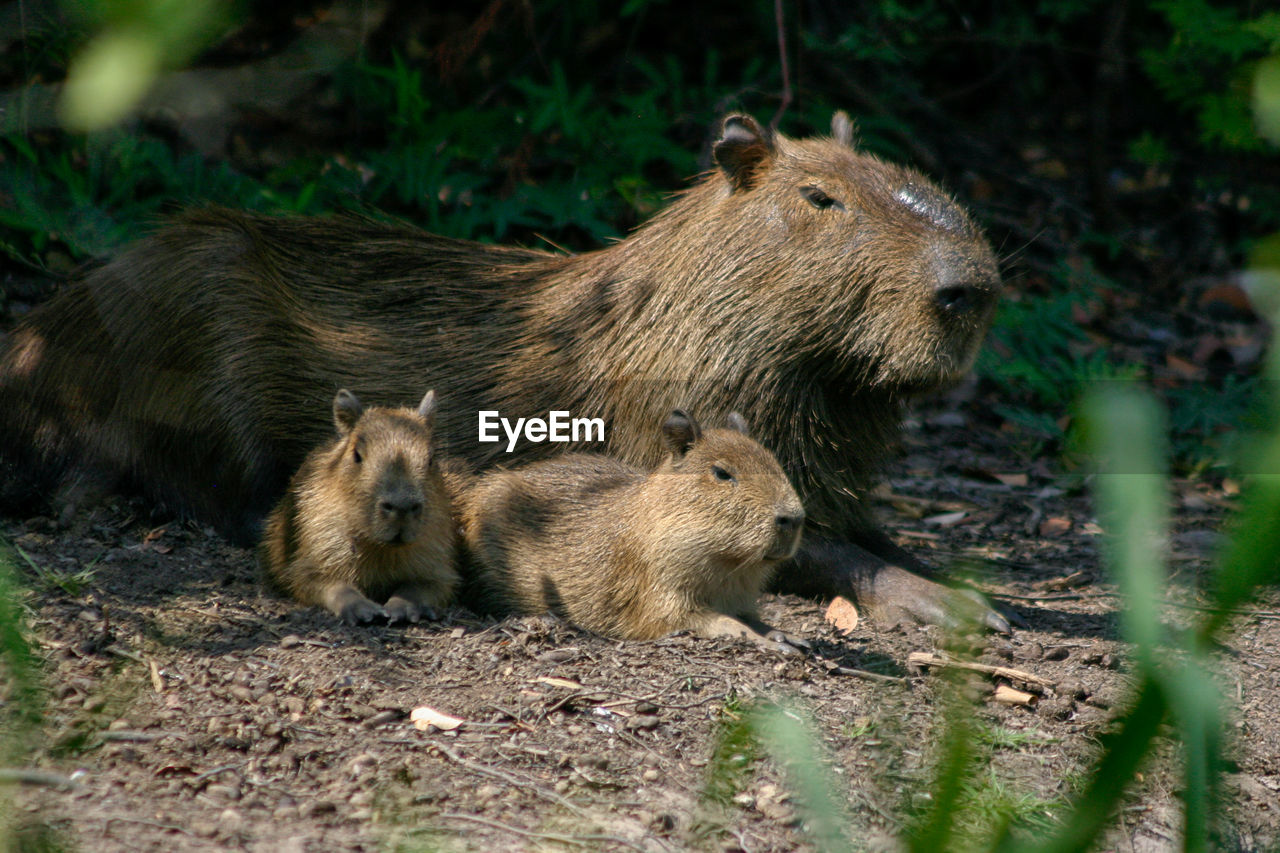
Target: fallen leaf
<point>1229,294</point>
<point>843,614</point>
<point>568,683</point>
<point>946,519</point>
<point>425,718</point>
<point>1055,526</point>
<point>1018,479</point>
<point>1182,368</point>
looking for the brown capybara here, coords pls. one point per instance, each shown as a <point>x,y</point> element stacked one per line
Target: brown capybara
<point>806,284</point>
<point>635,555</point>
<point>367,514</point>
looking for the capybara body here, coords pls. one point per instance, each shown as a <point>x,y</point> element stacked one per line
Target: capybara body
<point>803,283</point>
<point>636,555</point>
<point>367,515</point>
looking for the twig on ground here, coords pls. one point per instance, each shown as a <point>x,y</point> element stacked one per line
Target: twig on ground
<point>862,673</point>
<point>157,824</point>
<point>509,778</point>
<point>23,776</point>
<point>134,737</point>
<point>215,771</point>
<point>930,659</point>
<point>578,840</point>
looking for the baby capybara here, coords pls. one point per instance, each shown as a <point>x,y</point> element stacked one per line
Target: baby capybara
<point>367,516</point>
<point>632,554</point>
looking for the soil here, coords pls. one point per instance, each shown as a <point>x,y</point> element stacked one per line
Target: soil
<point>190,709</point>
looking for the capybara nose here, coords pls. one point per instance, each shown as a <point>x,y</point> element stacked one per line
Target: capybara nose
<point>962,297</point>
<point>400,505</point>
<point>789,522</point>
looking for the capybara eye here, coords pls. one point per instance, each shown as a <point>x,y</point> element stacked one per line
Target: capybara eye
<point>720,474</point>
<point>819,199</point>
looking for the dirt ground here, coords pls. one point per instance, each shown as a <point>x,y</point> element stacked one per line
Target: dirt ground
<point>189,709</point>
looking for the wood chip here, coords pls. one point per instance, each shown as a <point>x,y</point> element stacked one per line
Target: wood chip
<point>1006,695</point>
<point>425,718</point>
<point>1055,526</point>
<point>156,681</point>
<point>843,614</point>
<point>567,683</point>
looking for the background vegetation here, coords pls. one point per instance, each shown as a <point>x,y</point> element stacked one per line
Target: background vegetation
<point>1109,147</point>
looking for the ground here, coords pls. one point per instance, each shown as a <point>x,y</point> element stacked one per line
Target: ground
<point>191,709</point>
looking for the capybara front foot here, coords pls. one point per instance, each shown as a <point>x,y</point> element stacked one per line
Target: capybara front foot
<point>721,625</point>
<point>349,604</point>
<point>411,605</point>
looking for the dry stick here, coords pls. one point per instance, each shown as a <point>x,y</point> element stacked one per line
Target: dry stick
<point>157,824</point>
<point>127,736</point>
<point>928,659</point>
<point>1054,596</point>
<point>509,778</point>
<point>786,70</point>
<point>1077,596</point>
<point>235,768</point>
<point>22,776</point>
<point>580,840</point>
<point>866,674</point>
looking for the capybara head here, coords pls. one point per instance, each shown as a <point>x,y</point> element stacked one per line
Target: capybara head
<point>726,493</point>
<point>386,471</point>
<point>862,271</point>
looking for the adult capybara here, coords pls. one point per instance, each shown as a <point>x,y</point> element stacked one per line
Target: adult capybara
<point>808,285</point>
<point>636,555</point>
<point>367,514</point>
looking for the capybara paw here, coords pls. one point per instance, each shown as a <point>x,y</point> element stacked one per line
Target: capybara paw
<point>361,611</point>
<point>793,644</point>
<point>401,609</point>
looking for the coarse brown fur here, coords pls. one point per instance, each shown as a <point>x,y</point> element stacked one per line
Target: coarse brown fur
<point>804,283</point>
<point>687,546</point>
<point>367,515</point>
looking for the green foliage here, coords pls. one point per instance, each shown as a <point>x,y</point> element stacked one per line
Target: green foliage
<point>21,690</point>
<point>736,751</point>
<point>787,734</point>
<point>1204,65</point>
<point>138,40</point>
<point>1040,360</point>
<point>68,583</point>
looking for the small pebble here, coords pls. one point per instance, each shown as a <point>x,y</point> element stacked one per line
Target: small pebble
<point>230,822</point>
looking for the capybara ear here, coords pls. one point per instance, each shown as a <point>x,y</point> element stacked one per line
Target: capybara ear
<point>842,128</point>
<point>738,423</point>
<point>679,432</point>
<point>427,408</point>
<point>741,149</point>
<point>346,411</point>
